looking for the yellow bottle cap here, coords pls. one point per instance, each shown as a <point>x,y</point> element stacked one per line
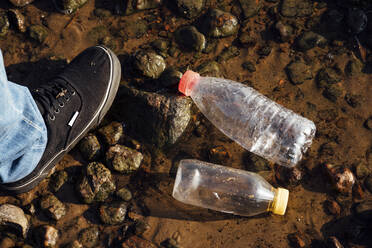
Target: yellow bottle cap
<point>280,201</point>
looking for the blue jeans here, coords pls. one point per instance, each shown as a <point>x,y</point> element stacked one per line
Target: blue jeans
<point>23,134</point>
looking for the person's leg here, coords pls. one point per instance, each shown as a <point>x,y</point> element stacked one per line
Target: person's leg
<point>23,134</point>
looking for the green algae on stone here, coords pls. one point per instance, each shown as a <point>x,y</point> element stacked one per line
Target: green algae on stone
<point>190,8</point>
<point>58,179</point>
<point>96,184</point>
<point>53,207</point>
<point>88,237</point>
<point>123,159</point>
<point>299,72</point>
<point>113,213</point>
<point>216,23</point>
<point>149,64</point>
<point>111,133</point>
<point>38,33</point>
<point>4,24</point>
<point>90,147</point>
<point>189,37</point>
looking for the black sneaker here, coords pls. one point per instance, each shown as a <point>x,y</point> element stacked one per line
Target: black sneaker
<point>71,104</point>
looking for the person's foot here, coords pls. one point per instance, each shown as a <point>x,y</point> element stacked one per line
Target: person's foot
<point>71,104</point>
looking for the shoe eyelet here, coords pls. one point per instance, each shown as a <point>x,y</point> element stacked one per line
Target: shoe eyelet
<point>56,111</point>
<point>61,105</point>
<point>52,118</point>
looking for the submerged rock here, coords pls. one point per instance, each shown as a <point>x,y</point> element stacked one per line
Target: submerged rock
<point>158,118</point>
<point>299,72</point>
<point>333,92</point>
<point>149,64</point>
<point>256,163</point>
<point>342,178</point>
<point>250,7</point>
<point>69,6</point>
<point>309,40</point>
<point>209,69</point>
<point>90,147</point>
<point>113,213</point>
<point>189,37</point>
<point>296,8</point>
<point>74,244</point>
<point>20,3</point>
<point>327,76</point>
<point>4,24</point>
<point>46,236</point>
<point>288,176</point>
<point>53,207</point>
<point>96,184</point>
<point>13,217</point>
<point>123,159</point>
<point>218,24</point>
<point>38,33</point>
<point>88,237</point>
<point>354,68</point>
<point>228,53</point>
<point>190,8</point>
<point>124,194</point>
<point>137,242</point>
<point>112,133</point>
<point>285,31</point>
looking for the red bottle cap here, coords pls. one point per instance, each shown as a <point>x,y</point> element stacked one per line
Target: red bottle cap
<point>188,81</point>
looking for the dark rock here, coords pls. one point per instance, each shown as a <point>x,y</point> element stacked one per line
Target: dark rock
<point>158,118</point>
<point>256,163</point>
<point>88,237</point>
<point>250,7</point>
<point>296,241</point>
<point>124,194</point>
<point>170,77</point>
<point>100,12</point>
<point>190,38</point>
<point>113,213</point>
<point>228,53</point>
<point>354,68</point>
<point>111,133</point>
<point>249,66</point>
<point>4,24</point>
<point>190,8</point>
<point>90,147</point>
<point>69,6</point>
<point>161,46</point>
<point>20,3</point>
<point>219,155</point>
<point>13,217</point>
<point>53,207</point>
<point>332,207</point>
<point>285,31</point>
<point>353,100</point>
<point>149,64</point>
<point>361,170</point>
<point>247,39</point>
<point>363,210</point>
<point>310,40</point>
<point>218,24</point>
<point>368,123</point>
<point>38,33</point>
<point>299,72</point>
<point>264,51</point>
<point>209,69</point>
<point>333,92</point>
<point>342,178</point>
<point>123,159</point>
<point>368,183</point>
<point>288,176</point>
<point>17,20</point>
<point>96,184</point>
<point>327,76</point>
<point>46,236</point>
<point>328,115</point>
<point>296,8</point>
<point>137,242</point>
<point>58,179</point>
<point>332,242</point>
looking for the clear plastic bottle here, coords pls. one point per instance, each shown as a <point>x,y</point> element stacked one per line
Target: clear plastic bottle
<point>254,121</point>
<point>227,189</point>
